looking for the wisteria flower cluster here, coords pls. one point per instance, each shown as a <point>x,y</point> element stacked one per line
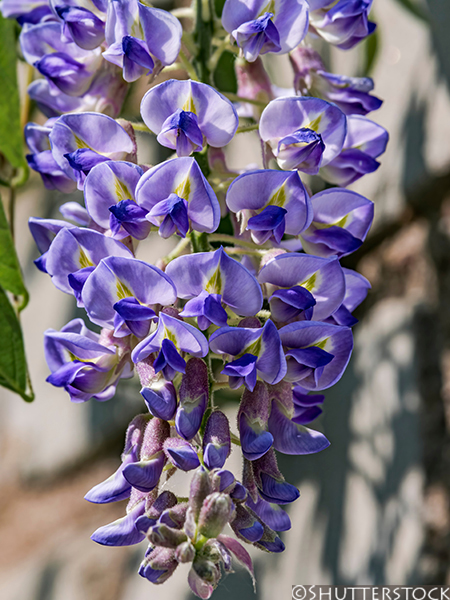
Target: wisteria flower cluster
<point>265,313</point>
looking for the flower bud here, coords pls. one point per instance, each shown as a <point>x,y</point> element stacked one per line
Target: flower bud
<point>181,454</point>
<point>161,535</point>
<point>247,525</point>
<point>253,417</point>
<point>159,565</point>
<point>200,489</point>
<point>216,440</point>
<point>223,481</point>
<point>193,398</point>
<point>161,399</point>
<point>271,483</point>
<point>207,570</point>
<point>216,512</point>
<point>185,552</point>
<point>145,370</point>
<point>144,475</point>
<point>253,83</point>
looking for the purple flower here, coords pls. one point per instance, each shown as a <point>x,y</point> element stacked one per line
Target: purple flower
<point>81,140</point>
<point>247,525</point>
<point>350,94</point>
<point>121,291</point>
<point>81,26</point>
<point>73,255</point>
<point>144,474</point>
<point>216,440</point>
<point>316,353</point>
<point>364,142</point>
<point>272,514</point>
<point>342,219</point>
<point>303,133</point>
<point>256,352</point>
<point>261,27</point>
<point>356,289</point>
<point>170,338</point>
<point>270,204</point>
<point>306,407</point>
<point>194,397</point>
<point>181,113</point>
<point>290,436</point>
<point>116,487</point>
<point>253,417</point>
<point>65,64</point>
<point>158,565</point>
<point>345,24</point>
<point>181,454</point>
<point>122,532</point>
<point>271,484</point>
<point>86,364</point>
<point>25,11</point>
<point>109,194</point>
<point>177,196</point>
<point>206,279</point>
<point>301,284</point>
<point>105,95</point>
<point>41,158</point>
<point>137,35</point>
<point>161,399</point>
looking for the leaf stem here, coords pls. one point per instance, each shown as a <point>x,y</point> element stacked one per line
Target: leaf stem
<point>141,127</point>
<point>12,209</point>
<point>229,239</point>
<point>236,98</point>
<point>187,65</point>
<point>184,243</point>
<point>247,128</point>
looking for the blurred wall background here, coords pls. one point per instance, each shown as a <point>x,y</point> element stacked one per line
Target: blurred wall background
<point>375,506</point>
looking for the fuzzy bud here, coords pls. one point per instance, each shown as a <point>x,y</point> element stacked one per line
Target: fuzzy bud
<point>216,512</point>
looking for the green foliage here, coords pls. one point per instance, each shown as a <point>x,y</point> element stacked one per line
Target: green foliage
<point>370,49</point>
<point>224,75</point>
<point>10,274</point>
<point>11,141</point>
<point>13,367</point>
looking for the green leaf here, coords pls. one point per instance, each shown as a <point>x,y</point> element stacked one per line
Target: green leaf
<point>415,9</point>
<point>224,75</point>
<point>218,6</point>
<point>370,48</point>
<point>13,367</point>
<point>10,273</point>
<point>11,140</point>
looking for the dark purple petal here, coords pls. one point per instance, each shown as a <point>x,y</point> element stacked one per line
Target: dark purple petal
<point>255,441</point>
<point>193,399</point>
<point>181,454</point>
<point>144,475</point>
<point>122,532</point>
<point>272,514</point>
<point>292,438</point>
<point>86,29</point>
<point>161,400</point>
<point>277,492</point>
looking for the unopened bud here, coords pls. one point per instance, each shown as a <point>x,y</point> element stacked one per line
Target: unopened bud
<point>161,535</point>
<point>194,394</point>
<point>185,552</point>
<point>159,565</point>
<point>216,512</point>
<point>200,488</point>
